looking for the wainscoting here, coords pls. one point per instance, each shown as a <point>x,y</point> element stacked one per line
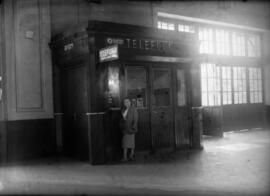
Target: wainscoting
<point>29,139</point>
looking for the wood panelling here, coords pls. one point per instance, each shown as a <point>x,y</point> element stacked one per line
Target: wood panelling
<point>28,65</point>
<point>27,139</point>
<point>195,75</point>
<point>3,142</point>
<point>29,70</point>
<point>212,121</point>
<point>267,116</point>
<point>243,116</point>
<point>75,106</point>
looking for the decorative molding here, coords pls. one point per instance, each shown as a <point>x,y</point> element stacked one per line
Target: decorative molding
<point>19,107</point>
<point>37,20</point>
<point>205,21</point>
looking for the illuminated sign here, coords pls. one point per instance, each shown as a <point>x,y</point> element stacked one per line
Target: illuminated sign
<point>109,53</point>
<point>142,44</point>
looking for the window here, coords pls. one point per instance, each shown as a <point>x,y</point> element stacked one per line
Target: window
<point>161,87</point>
<point>166,25</point>
<point>186,28</point>
<point>113,87</point>
<point>238,44</point>
<point>255,85</point>
<point>210,84</point>
<point>136,86</point>
<point>239,85</point>
<point>253,46</point>
<point>206,40</point>
<point>226,86</point>
<point>222,42</point>
<point>181,88</point>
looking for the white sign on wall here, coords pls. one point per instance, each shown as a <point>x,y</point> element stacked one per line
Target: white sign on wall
<point>109,53</point>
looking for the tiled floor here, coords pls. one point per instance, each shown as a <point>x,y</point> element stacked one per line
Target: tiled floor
<point>237,164</point>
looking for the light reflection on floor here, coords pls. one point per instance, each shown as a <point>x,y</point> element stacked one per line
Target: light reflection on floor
<point>1,186</point>
<point>238,146</point>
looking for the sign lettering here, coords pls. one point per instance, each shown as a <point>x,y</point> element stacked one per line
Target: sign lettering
<point>142,44</point>
<point>108,53</point>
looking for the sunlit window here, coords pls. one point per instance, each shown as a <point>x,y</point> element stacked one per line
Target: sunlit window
<point>226,86</point>
<point>166,25</point>
<point>222,42</point>
<point>186,28</point>
<point>238,44</point>
<point>239,85</point>
<point>113,87</point>
<point>255,85</point>
<point>210,84</point>
<point>206,40</point>
<point>254,45</point>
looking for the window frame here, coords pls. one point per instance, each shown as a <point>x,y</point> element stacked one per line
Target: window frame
<point>244,82</point>
<point>146,80</point>
<point>216,85</point>
<point>260,82</point>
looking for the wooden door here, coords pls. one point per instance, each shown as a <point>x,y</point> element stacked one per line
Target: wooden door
<point>137,90</point>
<point>162,117</point>
<point>182,109</point>
<point>75,131</point>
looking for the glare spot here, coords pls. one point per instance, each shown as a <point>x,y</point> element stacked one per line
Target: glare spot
<point>238,147</point>
<point>1,186</point>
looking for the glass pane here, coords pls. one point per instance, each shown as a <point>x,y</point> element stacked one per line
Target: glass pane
<point>136,86</point>
<point>180,27</point>
<point>211,99</point>
<point>260,98</point>
<point>204,99</point>
<point>230,98</point>
<point>244,97</point>
<point>238,43</point>
<point>225,98</point>
<point>113,87</point>
<point>161,87</point>
<point>181,88</point>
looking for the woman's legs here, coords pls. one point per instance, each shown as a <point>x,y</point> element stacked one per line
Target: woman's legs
<point>131,156</point>
<point>125,154</point>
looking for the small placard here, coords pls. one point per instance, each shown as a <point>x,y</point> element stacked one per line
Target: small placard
<point>109,53</point>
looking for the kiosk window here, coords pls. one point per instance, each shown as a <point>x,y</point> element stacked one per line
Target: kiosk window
<point>136,86</point>
<point>161,87</point>
<point>113,86</point>
<point>181,88</point>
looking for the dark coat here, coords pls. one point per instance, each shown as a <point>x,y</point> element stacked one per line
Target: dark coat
<point>130,125</point>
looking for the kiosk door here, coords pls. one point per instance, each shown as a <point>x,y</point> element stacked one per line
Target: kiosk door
<point>162,119</point>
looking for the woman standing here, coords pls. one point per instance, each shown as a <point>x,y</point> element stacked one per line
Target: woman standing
<point>128,125</point>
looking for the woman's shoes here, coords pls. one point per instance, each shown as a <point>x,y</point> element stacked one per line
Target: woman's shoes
<point>131,158</point>
<point>124,160</point>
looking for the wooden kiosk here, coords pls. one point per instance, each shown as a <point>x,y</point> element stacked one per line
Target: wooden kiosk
<point>101,65</point>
